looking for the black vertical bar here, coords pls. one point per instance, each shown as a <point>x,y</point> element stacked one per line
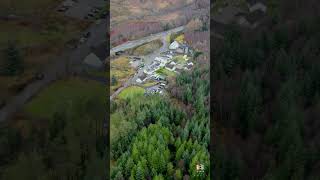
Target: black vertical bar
<point>211,146</point>
<point>107,66</point>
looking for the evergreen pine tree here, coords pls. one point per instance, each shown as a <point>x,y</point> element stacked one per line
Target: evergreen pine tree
<point>13,60</point>
<point>140,173</point>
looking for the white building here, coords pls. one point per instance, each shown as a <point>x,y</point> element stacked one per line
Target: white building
<point>173,63</point>
<point>68,3</point>
<point>169,56</point>
<point>257,5</point>
<point>174,45</point>
<point>190,64</point>
<point>161,59</point>
<point>148,71</point>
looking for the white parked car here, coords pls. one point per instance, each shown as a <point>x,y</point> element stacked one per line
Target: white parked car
<point>82,40</point>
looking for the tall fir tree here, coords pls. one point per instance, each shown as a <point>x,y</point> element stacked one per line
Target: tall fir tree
<point>13,60</point>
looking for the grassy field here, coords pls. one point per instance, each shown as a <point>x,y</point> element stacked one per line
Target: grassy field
<point>63,91</point>
<point>97,73</point>
<point>131,92</point>
<point>22,34</point>
<point>168,38</point>
<point>121,69</point>
<point>38,45</point>
<point>179,59</point>
<point>149,83</point>
<point>180,38</point>
<point>37,25</point>
<point>147,48</point>
<point>56,31</point>
<point>165,72</point>
<point>174,36</point>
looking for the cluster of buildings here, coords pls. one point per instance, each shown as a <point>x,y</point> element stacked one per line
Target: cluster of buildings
<point>168,61</point>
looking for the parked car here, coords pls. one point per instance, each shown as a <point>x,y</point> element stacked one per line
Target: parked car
<point>38,75</point>
<point>119,53</point>
<point>82,40</point>
<point>94,10</point>
<point>63,9</point>
<point>90,14</point>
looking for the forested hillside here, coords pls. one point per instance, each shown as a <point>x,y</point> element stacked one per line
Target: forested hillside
<point>164,137</point>
<point>266,98</point>
<point>159,138</point>
<point>70,144</point>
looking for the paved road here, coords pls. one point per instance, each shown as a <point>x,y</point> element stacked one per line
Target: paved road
<point>131,44</point>
<point>69,62</point>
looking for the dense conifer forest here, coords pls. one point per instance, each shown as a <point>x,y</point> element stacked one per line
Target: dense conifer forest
<point>69,145</point>
<point>163,139</point>
<point>266,87</point>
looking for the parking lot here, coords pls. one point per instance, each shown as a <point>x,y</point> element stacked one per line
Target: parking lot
<point>156,89</point>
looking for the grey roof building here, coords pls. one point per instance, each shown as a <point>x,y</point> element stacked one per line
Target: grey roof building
<point>101,51</point>
<point>93,61</point>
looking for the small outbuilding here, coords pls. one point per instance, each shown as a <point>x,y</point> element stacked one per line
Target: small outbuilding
<point>93,61</point>
<point>141,78</point>
<point>68,3</point>
<point>170,67</point>
<point>174,45</point>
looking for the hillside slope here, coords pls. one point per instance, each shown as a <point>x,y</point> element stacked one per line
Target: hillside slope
<point>132,19</point>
